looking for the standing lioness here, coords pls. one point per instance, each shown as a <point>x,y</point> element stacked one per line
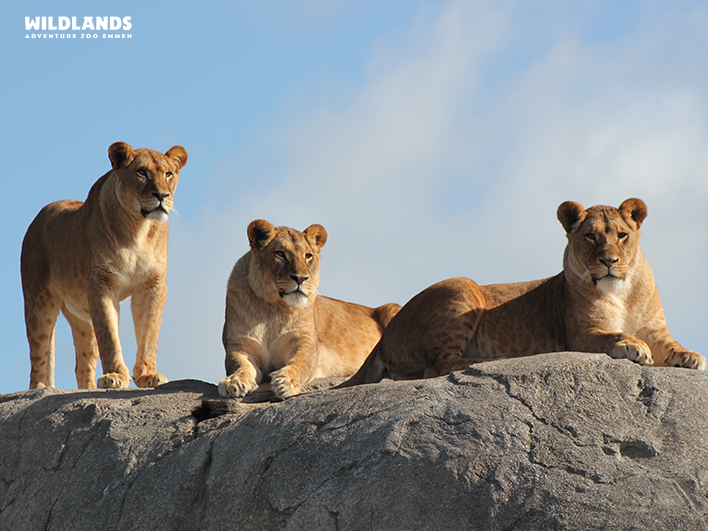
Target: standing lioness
<point>277,324</point>
<point>83,259</point>
<point>604,300</point>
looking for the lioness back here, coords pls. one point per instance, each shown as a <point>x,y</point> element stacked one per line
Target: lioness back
<point>605,300</point>
<point>278,326</point>
<point>346,333</point>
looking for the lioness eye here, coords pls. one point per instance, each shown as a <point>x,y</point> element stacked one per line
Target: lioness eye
<point>142,173</point>
<point>590,237</point>
<point>168,175</point>
<point>308,256</point>
<point>622,235</point>
<point>280,254</point>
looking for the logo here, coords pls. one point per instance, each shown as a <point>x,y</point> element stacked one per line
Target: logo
<point>78,27</point>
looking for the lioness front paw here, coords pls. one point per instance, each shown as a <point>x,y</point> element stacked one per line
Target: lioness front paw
<point>236,385</point>
<point>113,380</point>
<point>283,383</point>
<point>688,359</point>
<point>151,380</point>
<point>633,349</point>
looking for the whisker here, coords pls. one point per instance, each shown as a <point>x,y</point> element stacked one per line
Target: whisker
<point>174,211</point>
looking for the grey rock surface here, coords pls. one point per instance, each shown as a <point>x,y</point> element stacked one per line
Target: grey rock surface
<point>556,441</point>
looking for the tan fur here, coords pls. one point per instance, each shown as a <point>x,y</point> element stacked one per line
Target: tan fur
<point>605,300</point>
<point>277,324</point>
<point>84,258</point>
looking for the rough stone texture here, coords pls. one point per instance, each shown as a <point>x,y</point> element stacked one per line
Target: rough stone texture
<point>556,441</point>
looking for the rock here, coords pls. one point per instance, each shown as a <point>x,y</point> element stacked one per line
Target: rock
<point>556,441</point>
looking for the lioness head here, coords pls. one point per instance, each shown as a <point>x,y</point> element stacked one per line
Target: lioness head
<point>602,241</point>
<point>285,263</point>
<point>146,179</point>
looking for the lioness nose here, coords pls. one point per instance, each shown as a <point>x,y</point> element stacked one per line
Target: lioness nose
<point>160,196</point>
<point>609,261</point>
<point>298,279</point>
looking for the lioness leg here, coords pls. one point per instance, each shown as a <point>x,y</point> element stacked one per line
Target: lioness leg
<point>41,312</point>
<point>433,330</point>
<point>104,314</point>
<point>290,380</point>
<point>447,363</point>
<point>428,336</point>
<point>243,376</point>
<point>146,305</point>
<point>86,350</point>
<point>633,349</point>
<point>685,358</point>
<point>446,345</point>
<point>667,351</point>
<point>615,344</point>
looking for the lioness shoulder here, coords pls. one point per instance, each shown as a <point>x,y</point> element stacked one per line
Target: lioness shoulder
<point>604,300</point>
<point>84,258</point>
<point>278,326</point>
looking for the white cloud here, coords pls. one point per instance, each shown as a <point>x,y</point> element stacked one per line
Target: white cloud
<point>416,180</point>
<point>450,159</point>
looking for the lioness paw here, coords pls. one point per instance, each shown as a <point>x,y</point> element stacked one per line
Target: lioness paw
<point>688,359</point>
<point>633,349</point>
<point>282,383</point>
<point>113,380</point>
<point>236,385</point>
<point>151,380</point>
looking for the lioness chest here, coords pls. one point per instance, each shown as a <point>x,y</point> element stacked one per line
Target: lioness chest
<point>273,341</point>
<point>121,267</point>
<point>612,307</point>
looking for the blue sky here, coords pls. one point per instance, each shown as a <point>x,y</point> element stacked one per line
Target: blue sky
<point>431,138</point>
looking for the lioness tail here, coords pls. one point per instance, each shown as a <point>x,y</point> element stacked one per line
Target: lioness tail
<point>210,409</point>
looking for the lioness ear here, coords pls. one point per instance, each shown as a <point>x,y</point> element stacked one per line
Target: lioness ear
<point>260,233</point>
<point>179,154</point>
<point>633,210</point>
<point>120,154</point>
<point>570,214</point>
<point>317,233</point>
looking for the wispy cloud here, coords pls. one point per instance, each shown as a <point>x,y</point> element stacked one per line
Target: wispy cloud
<point>452,157</point>
<point>380,170</point>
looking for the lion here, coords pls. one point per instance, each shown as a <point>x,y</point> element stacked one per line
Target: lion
<point>604,300</point>
<point>277,324</point>
<point>83,259</point>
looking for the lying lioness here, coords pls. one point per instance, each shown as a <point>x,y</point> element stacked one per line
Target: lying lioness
<point>277,323</point>
<point>84,258</point>
<point>605,300</point>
